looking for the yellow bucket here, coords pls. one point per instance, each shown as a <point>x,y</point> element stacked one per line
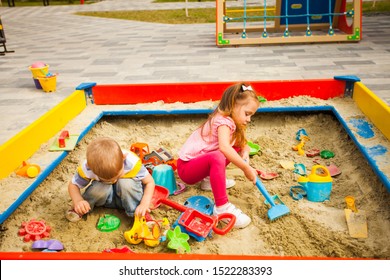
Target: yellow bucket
<point>37,72</point>
<point>48,83</point>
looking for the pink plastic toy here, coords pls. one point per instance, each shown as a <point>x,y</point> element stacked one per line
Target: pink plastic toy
<point>267,175</point>
<point>38,64</point>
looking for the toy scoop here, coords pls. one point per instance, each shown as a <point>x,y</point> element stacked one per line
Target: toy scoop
<point>356,219</point>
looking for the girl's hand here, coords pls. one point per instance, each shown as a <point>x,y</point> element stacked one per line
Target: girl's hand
<point>251,174</point>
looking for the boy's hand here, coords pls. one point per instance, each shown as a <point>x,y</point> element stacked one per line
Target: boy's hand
<point>82,207</point>
<point>143,207</point>
<point>141,210</point>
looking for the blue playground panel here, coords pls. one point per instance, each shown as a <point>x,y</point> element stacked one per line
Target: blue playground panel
<point>297,11</point>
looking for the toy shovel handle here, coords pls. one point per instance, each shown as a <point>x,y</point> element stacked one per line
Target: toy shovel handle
<point>173,204</point>
<point>264,192</point>
<point>229,225</point>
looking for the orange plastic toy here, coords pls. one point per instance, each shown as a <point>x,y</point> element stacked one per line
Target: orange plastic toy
<point>151,159</point>
<point>28,170</point>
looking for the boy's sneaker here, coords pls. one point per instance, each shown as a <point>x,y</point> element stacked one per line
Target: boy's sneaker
<point>206,186</point>
<point>72,216</point>
<point>242,220</point>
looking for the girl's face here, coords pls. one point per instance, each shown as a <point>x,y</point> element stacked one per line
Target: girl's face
<point>244,110</point>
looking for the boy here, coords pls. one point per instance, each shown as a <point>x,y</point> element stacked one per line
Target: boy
<point>112,178</point>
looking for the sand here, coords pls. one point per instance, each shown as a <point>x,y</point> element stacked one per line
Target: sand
<point>311,229</point>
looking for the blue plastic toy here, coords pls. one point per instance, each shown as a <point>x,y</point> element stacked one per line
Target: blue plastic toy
<point>200,203</point>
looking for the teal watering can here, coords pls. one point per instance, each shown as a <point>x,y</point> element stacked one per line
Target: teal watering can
<point>318,185</point>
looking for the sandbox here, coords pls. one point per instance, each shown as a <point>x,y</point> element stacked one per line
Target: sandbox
<point>337,114</point>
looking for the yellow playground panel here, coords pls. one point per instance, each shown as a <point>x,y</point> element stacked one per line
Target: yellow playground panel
<point>289,21</point>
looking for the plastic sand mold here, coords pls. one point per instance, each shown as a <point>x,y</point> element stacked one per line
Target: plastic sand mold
<point>254,148</point>
<point>52,245</point>
<point>286,164</point>
<point>64,142</point>
<point>267,175</point>
<point>326,154</point>
<point>178,240</point>
<point>108,223</point>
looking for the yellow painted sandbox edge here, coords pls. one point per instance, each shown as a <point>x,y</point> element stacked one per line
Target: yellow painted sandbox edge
<point>24,144</point>
<point>373,107</point>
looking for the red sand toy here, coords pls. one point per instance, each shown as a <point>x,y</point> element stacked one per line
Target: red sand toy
<point>34,230</point>
<point>193,220</point>
<point>313,153</point>
<point>122,250</point>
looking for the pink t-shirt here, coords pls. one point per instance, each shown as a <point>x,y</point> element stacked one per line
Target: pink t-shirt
<point>197,145</point>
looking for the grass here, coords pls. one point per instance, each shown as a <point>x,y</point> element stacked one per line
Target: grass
<point>169,1</point>
<point>22,3</point>
<point>197,16</point>
<point>177,16</point>
<point>160,16</point>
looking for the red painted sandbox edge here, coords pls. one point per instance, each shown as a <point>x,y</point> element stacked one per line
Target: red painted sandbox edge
<point>194,92</point>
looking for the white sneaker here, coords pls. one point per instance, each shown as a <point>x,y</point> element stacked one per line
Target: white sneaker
<point>206,186</point>
<point>242,220</point>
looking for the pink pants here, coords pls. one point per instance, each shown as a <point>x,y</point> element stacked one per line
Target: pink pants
<point>212,164</point>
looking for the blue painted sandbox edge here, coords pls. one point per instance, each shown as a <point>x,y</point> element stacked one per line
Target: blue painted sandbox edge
<point>41,177</point>
<point>363,149</point>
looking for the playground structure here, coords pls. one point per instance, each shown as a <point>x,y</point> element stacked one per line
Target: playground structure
<point>290,21</point>
<point>373,111</point>
<point>3,40</point>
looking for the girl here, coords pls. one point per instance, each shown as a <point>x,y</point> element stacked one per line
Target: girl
<point>219,141</point>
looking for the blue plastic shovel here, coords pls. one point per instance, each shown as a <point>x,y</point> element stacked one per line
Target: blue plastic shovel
<point>277,210</point>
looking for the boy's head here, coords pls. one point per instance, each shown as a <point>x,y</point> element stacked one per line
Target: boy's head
<point>105,159</point>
